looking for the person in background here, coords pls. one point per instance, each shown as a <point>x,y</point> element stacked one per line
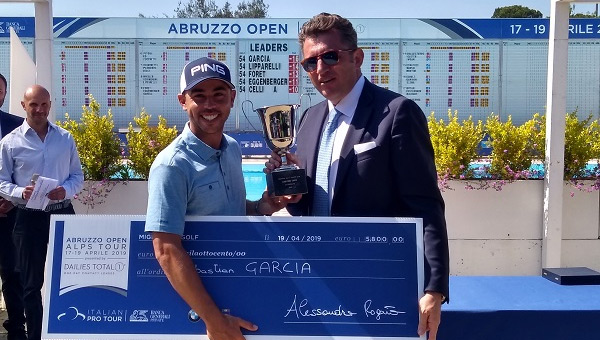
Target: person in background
<point>37,147</point>
<point>367,152</point>
<point>12,290</point>
<point>200,174</point>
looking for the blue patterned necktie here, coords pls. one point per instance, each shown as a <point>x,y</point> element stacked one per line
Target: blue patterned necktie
<point>321,196</point>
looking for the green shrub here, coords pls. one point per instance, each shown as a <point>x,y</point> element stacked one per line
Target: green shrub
<point>98,146</point>
<point>582,144</point>
<point>455,145</point>
<point>146,142</point>
<point>513,147</point>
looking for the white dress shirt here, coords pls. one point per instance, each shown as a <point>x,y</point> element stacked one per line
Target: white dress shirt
<point>23,153</point>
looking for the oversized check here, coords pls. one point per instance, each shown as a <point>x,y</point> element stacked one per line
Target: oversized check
<point>296,278</point>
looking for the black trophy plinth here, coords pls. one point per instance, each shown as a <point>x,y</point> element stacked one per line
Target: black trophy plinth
<point>287,181</point>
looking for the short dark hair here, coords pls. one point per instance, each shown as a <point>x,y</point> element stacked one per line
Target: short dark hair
<point>3,80</point>
<point>325,22</point>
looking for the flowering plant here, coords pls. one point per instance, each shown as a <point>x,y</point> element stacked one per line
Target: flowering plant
<point>455,146</point>
<point>514,150</point>
<point>146,142</point>
<point>513,147</point>
<point>99,148</point>
<point>582,144</point>
<point>96,192</point>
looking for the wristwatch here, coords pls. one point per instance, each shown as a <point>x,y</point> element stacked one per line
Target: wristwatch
<point>256,208</point>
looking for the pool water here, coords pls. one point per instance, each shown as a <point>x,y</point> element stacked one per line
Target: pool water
<point>255,180</point>
<point>537,170</point>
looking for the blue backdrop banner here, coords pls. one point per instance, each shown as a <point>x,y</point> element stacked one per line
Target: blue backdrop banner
<point>314,278</point>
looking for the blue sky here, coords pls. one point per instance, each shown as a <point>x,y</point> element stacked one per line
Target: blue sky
<point>295,9</point>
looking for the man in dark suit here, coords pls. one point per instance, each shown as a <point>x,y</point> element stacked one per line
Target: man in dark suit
<point>12,290</point>
<point>367,152</point>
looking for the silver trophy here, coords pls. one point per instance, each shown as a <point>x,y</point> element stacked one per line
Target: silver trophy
<point>279,131</point>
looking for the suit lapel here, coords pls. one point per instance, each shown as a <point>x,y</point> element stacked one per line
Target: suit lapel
<point>3,124</point>
<point>356,130</point>
<point>312,126</point>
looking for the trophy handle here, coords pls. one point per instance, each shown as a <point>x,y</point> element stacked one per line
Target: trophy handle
<point>247,101</point>
<point>244,113</point>
<point>300,120</point>
<point>307,96</point>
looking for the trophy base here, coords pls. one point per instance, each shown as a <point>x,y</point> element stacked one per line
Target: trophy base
<point>283,182</point>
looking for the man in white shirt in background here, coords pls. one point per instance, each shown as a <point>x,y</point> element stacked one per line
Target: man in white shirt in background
<point>37,147</point>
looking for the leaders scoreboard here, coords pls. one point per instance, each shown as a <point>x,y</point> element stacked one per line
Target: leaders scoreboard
<point>474,66</point>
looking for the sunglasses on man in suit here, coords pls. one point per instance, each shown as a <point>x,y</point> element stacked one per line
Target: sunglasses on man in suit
<point>330,58</point>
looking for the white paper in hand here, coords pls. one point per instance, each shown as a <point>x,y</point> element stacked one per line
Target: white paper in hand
<point>43,186</point>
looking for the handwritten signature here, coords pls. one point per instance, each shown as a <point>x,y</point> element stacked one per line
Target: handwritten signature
<point>302,309</point>
<point>377,312</point>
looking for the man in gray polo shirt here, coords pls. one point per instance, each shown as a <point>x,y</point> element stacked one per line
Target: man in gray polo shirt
<point>200,174</point>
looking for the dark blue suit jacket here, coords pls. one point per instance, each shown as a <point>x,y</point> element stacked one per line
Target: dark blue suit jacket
<point>9,122</point>
<point>396,178</point>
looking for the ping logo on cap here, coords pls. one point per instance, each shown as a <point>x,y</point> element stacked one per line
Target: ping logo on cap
<point>205,67</point>
<point>202,69</point>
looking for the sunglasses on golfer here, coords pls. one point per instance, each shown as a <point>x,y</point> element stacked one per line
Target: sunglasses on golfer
<point>329,58</point>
